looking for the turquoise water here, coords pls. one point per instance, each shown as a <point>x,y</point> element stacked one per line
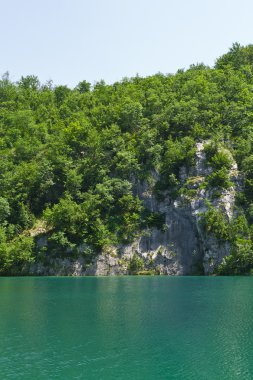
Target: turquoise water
<point>126,328</point>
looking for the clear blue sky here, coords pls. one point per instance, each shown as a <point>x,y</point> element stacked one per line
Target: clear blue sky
<point>71,40</point>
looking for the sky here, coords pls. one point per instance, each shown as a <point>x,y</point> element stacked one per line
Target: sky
<point>68,41</point>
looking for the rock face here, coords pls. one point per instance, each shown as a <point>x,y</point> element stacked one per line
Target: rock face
<point>213,250</point>
<point>180,248</point>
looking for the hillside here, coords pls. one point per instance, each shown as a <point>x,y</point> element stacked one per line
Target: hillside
<point>148,175</point>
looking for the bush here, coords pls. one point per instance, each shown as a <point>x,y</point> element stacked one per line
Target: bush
<point>220,179</point>
<point>210,149</point>
<point>240,261</point>
<point>221,160</point>
<point>4,209</point>
<point>16,253</point>
<point>136,264</point>
<point>155,219</point>
<point>214,222</point>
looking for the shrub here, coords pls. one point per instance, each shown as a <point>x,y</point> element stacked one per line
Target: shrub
<point>240,261</point>
<point>136,264</point>
<point>16,253</point>
<point>219,179</point>
<point>210,150</point>
<point>221,160</point>
<point>4,209</point>
<point>155,219</point>
<point>214,222</point>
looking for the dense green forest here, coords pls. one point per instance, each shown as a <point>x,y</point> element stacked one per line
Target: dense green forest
<point>70,157</point>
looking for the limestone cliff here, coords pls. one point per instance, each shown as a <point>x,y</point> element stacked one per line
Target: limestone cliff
<point>181,247</point>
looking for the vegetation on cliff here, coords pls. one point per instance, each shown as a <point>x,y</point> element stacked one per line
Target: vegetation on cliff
<point>72,157</point>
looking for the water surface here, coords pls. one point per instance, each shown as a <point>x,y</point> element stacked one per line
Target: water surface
<point>126,328</point>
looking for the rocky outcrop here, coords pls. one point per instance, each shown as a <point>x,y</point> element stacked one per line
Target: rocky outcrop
<point>181,247</point>
<point>213,249</point>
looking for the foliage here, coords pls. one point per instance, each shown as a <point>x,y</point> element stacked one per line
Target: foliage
<point>74,157</point>
<point>220,179</point>
<point>240,261</point>
<point>136,264</point>
<point>221,160</point>
<point>214,222</point>
<point>154,219</point>
<point>14,254</point>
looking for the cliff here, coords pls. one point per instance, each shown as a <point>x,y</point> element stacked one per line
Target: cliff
<point>180,247</point>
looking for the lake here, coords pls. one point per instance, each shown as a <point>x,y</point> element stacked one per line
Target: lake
<point>126,328</point>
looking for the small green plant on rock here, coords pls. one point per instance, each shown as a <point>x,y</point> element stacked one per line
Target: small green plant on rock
<point>220,179</point>
<point>136,264</point>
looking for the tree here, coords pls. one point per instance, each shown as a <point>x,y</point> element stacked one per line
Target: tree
<point>83,87</point>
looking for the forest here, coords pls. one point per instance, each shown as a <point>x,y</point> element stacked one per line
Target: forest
<point>70,158</point>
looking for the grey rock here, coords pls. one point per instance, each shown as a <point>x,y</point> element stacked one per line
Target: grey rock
<point>181,248</point>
